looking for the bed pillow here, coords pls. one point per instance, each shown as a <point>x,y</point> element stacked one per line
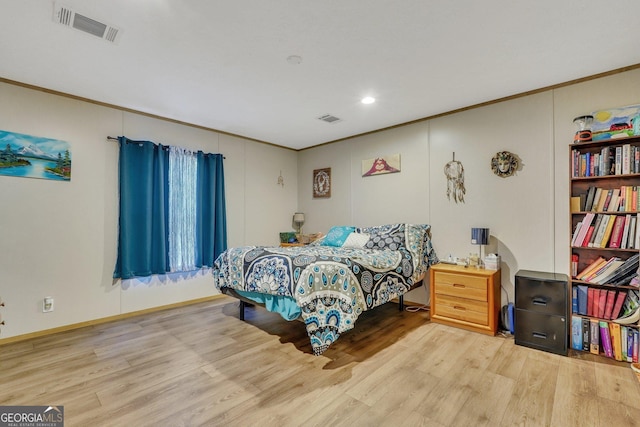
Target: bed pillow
<point>390,236</point>
<point>356,240</point>
<point>337,236</point>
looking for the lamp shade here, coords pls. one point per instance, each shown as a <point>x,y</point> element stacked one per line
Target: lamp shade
<point>480,236</point>
<point>298,217</point>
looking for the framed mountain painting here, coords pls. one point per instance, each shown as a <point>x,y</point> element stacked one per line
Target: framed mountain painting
<point>30,156</point>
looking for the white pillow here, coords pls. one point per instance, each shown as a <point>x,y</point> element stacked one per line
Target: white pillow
<point>356,240</point>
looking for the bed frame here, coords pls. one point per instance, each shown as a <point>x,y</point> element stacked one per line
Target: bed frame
<point>245,302</point>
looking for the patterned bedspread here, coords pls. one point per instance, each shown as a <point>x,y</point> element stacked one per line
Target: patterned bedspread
<point>332,285</point>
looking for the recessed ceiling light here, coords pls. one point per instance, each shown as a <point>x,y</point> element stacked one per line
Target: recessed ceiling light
<point>368,100</point>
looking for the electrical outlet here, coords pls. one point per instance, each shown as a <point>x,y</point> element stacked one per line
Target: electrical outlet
<point>47,304</point>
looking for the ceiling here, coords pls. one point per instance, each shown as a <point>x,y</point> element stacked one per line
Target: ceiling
<point>223,64</point>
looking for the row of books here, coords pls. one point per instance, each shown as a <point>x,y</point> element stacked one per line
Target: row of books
<point>621,160</point>
<point>608,304</point>
<point>610,339</point>
<point>613,271</point>
<point>598,199</point>
<point>607,231</point>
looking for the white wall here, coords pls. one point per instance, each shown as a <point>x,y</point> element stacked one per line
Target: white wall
<point>527,214</point>
<point>59,238</point>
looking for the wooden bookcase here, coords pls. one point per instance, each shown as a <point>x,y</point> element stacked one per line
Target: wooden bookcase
<point>580,185</point>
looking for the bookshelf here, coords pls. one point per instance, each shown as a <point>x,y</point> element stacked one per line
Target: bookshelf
<point>605,243</point>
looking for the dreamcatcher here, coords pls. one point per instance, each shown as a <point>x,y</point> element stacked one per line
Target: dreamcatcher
<point>455,180</point>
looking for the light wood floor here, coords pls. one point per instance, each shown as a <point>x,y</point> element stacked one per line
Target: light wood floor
<point>201,366</point>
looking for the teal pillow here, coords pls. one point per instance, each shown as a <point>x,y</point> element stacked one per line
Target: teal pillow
<point>337,235</point>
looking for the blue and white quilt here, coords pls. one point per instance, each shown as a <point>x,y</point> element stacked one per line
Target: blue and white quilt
<point>332,285</point>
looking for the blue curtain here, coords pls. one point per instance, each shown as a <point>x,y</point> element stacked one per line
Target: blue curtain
<point>211,221</point>
<point>143,233</point>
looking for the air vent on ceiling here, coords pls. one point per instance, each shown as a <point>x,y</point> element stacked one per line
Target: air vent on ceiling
<point>329,118</point>
<point>70,18</point>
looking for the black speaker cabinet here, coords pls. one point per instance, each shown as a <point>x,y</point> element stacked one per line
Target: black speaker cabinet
<point>542,311</point>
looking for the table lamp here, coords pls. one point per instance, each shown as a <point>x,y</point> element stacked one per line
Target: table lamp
<point>480,236</point>
<point>298,220</point>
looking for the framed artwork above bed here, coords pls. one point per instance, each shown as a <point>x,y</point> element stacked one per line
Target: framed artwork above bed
<point>322,183</point>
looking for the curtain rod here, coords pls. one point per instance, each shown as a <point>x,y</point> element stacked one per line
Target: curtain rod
<point>113,138</point>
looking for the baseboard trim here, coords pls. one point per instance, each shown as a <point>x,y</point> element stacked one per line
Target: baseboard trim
<point>102,320</point>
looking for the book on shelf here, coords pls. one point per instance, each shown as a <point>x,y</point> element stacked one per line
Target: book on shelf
<point>626,272</point>
<point>597,263</point>
<point>630,304</point>
<point>632,232</point>
<point>600,198</point>
<point>624,243</point>
<point>616,232</point>
<point>589,236</point>
<point>626,339</point>
<point>626,159</point>
<point>601,303</point>
<point>585,334</point>
<point>612,206</point>
<point>594,338</point>
<point>582,299</point>
<point>576,332</point>
<point>616,343</point>
<point>574,238</point>
<point>576,204</point>
<point>617,307</point>
<point>602,226</point>
<point>608,308</point>
<point>606,271</point>
<point>604,276</point>
<point>613,160</point>
<point>584,228</point>
<point>590,294</point>
<point>607,231</point>
<point>594,234</point>
<point>596,301</point>
<point>636,343</point>
<point>591,192</point>
<point>605,339</point>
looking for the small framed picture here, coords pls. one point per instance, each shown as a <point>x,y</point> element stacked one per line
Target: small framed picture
<point>322,183</point>
<point>381,165</point>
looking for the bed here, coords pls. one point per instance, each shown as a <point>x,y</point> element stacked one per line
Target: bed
<point>330,282</point>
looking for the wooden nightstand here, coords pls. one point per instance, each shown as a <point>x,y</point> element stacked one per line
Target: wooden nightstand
<point>465,297</point>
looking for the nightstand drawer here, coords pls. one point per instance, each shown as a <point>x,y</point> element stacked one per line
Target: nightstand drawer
<point>463,309</point>
<point>461,285</point>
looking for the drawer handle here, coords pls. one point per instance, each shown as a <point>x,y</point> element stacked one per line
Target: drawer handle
<point>457,307</point>
<point>458,285</point>
<point>539,301</point>
<point>539,335</point>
